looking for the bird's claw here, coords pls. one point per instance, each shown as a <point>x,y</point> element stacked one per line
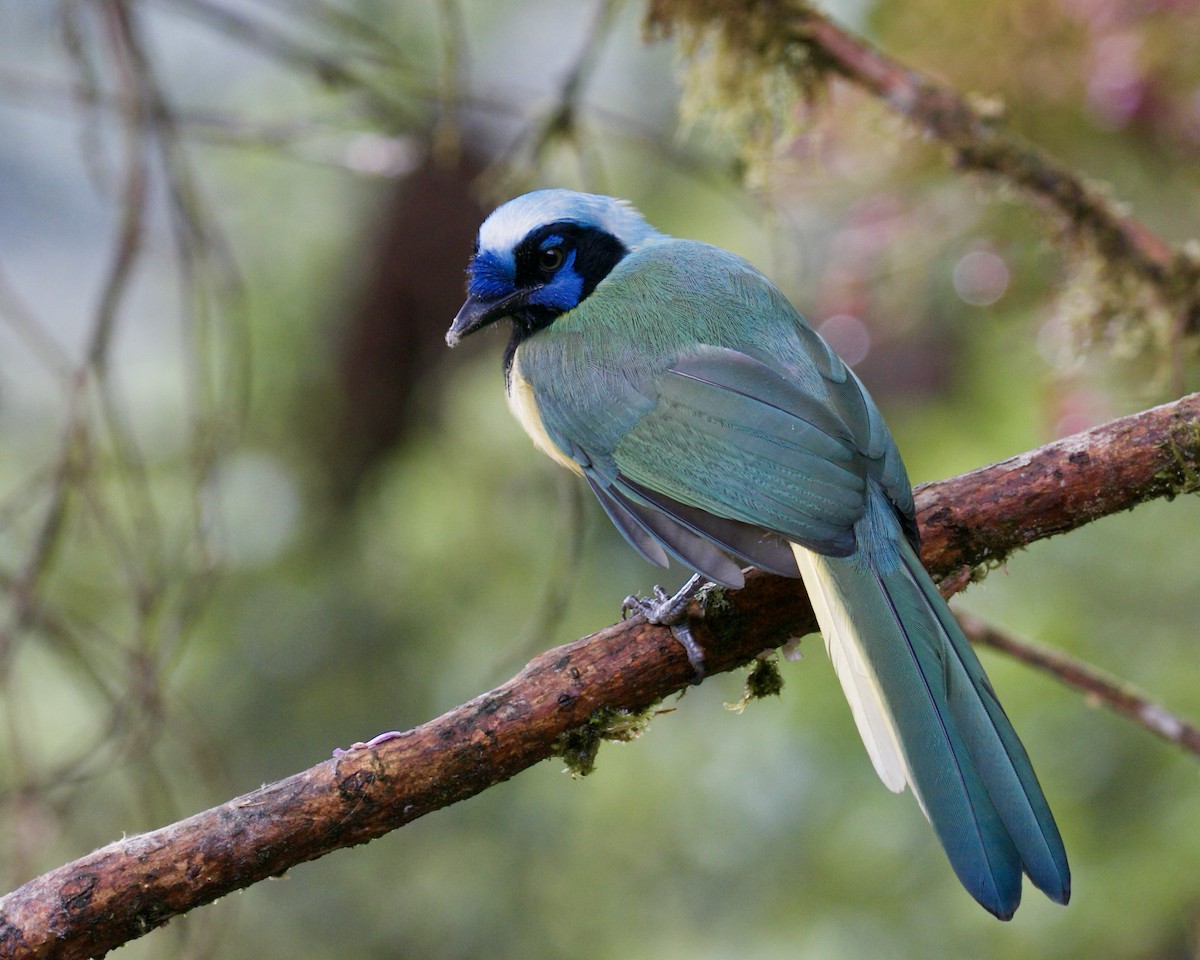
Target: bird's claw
<point>664,609</point>
<point>671,611</point>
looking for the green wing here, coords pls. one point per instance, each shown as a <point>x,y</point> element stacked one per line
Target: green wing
<point>733,437</point>
<point>710,421</point>
<point>726,462</point>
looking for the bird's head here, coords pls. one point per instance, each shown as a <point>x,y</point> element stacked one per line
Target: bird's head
<point>538,256</point>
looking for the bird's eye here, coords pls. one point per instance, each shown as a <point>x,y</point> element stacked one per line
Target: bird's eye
<point>551,259</point>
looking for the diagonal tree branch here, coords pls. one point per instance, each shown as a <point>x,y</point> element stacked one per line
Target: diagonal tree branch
<point>983,516</point>
<point>585,688</point>
<point>1095,684</point>
<point>792,36</point>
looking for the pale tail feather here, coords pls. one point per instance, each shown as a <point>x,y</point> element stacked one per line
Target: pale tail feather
<point>871,715</point>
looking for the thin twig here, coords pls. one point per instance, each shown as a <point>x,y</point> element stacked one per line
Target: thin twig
<point>38,339</point>
<point>95,435</point>
<point>1097,687</point>
<point>561,121</point>
<point>134,188</point>
<point>333,68</point>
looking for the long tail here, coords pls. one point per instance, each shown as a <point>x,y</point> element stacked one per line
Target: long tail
<point>929,718</point>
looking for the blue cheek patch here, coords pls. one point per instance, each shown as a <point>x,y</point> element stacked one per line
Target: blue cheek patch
<point>490,277</point>
<point>564,291</point>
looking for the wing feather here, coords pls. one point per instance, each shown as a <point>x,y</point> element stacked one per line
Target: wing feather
<point>730,436</point>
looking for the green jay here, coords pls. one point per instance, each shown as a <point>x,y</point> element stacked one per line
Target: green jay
<point>717,428</point>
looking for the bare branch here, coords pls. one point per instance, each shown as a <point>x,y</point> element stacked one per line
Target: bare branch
<point>1095,685</point>
<point>131,886</point>
<point>41,342</point>
<point>126,56</point>
<point>348,69</point>
<point>561,121</point>
<point>94,477</point>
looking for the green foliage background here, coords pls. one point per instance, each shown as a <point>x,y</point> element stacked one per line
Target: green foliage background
<point>214,615</point>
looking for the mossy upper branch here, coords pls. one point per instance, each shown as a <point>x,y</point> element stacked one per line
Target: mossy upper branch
<point>775,43</point>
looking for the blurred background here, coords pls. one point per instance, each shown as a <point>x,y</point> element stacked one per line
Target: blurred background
<point>252,510</point>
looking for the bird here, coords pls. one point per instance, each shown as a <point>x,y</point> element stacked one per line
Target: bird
<point>718,429</point>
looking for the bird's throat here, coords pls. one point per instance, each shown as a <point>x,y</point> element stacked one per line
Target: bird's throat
<point>523,403</point>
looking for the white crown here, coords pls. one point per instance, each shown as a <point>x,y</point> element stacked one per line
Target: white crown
<point>511,223</point>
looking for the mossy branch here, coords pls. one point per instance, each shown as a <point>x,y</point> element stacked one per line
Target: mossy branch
<point>741,55</point>
<point>135,884</point>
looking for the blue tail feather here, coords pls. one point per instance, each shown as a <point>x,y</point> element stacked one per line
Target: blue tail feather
<point>999,754</point>
<point>964,761</point>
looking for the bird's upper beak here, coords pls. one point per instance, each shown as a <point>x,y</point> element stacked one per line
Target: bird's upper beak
<point>477,313</point>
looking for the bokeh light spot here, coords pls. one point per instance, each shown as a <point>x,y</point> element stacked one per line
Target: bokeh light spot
<point>254,506</point>
<point>981,277</point>
<point>848,336</point>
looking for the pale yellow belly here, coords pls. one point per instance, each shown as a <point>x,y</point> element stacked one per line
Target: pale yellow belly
<point>524,407</point>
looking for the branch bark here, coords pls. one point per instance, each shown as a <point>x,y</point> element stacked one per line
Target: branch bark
<point>133,885</point>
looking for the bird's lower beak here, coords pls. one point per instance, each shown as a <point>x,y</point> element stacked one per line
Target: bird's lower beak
<point>477,313</point>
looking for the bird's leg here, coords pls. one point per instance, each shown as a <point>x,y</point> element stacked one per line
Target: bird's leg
<point>672,612</point>
<point>682,632</point>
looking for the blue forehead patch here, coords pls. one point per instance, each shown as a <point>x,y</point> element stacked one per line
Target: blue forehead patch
<point>490,276</point>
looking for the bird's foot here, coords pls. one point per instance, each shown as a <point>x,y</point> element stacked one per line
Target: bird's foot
<point>671,611</point>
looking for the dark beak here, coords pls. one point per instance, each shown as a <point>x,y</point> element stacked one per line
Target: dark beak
<point>477,313</point>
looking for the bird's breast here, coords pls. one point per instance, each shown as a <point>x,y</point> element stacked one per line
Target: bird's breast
<point>523,404</point>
